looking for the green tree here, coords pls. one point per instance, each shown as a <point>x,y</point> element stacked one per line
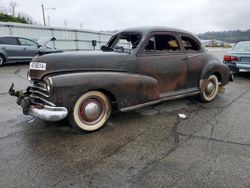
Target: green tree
<point>8,18</point>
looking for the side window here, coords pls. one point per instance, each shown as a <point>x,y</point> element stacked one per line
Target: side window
<point>190,44</point>
<point>9,40</point>
<point>27,42</point>
<point>164,43</point>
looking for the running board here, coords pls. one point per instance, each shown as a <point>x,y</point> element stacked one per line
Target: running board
<point>159,101</point>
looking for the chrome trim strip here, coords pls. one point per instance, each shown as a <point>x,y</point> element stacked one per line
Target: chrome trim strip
<point>158,101</point>
<point>39,98</point>
<point>38,92</point>
<point>40,88</point>
<point>41,84</point>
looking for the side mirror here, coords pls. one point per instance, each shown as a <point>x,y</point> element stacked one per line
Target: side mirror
<point>106,49</point>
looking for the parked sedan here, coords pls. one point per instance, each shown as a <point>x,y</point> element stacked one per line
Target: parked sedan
<point>18,49</point>
<point>238,59</point>
<point>136,68</point>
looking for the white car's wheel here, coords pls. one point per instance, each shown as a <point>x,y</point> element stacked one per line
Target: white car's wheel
<point>1,60</point>
<point>211,89</point>
<point>90,111</point>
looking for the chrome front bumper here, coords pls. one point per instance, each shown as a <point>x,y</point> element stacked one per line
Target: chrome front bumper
<point>43,112</point>
<point>48,113</point>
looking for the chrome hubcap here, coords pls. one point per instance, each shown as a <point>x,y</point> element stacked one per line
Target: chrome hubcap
<point>210,88</point>
<point>91,111</point>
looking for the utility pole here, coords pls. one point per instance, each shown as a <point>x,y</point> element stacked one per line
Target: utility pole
<point>43,10</point>
<point>43,16</point>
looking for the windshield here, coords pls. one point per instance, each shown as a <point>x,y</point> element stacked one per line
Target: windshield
<point>242,47</point>
<point>124,42</point>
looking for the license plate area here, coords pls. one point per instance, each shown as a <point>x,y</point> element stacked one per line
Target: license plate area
<point>37,66</point>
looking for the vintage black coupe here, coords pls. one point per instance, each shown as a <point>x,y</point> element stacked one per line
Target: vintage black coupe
<point>136,68</point>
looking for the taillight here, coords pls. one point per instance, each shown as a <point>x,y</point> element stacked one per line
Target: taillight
<point>231,58</point>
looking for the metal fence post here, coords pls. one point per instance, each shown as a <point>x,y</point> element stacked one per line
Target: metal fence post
<point>53,35</point>
<point>76,40</point>
<point>100,38</point>
<point>10,29</point>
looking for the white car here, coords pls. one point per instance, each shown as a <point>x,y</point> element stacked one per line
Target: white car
<point>19,49</point>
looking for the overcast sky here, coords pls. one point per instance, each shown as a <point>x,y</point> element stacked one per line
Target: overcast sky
<point>196,16</point>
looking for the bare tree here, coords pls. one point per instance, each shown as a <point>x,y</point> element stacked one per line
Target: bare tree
<point>25,17</point>
<point>13,5</point>
<point>2,8</point>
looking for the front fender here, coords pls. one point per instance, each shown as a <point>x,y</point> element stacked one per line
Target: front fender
<point>128,89</point>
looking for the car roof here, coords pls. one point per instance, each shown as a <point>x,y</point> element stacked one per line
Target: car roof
<point>148,29</point>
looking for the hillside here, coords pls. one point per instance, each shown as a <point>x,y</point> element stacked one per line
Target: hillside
<point>227,36</point>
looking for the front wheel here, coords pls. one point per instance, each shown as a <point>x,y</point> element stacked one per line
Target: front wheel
<point>90,111</point>
<point>211,89</point>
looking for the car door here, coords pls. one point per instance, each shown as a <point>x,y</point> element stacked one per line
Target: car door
<point>162,58</point>
<point>196,59</point>
<point>12,48</point>
<point>30,48</point>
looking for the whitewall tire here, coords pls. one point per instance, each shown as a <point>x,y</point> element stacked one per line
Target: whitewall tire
<point>90,111</point>
<point>211,89</point>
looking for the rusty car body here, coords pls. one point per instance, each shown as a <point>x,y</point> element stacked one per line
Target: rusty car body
<point>137,67</point>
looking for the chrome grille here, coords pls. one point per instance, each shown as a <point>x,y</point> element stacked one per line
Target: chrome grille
<point>39,94</point>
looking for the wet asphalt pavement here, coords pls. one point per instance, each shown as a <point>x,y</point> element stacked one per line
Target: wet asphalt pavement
<point>150,147</point>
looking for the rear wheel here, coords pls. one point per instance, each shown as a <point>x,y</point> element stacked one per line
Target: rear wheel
<point>2,60</point>
<point>90,111</point>
<point>211,89</point>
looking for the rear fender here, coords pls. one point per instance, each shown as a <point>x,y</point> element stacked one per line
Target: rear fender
<point>221,71</point>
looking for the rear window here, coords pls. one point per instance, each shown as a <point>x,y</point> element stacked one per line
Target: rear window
<point>242,47</point>
<point>8,40</point>
<point>190,44</point>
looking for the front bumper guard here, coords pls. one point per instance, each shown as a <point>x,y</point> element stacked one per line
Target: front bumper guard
<point>46,113</point>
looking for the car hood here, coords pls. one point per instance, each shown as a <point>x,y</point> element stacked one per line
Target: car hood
<point>63,62</point>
